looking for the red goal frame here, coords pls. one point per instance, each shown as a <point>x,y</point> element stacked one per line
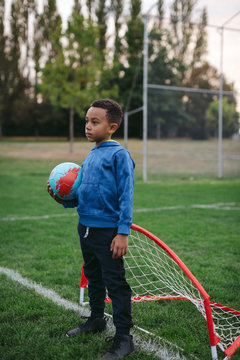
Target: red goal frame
<point>214,339</point>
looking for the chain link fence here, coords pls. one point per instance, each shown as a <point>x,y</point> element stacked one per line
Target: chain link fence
<point>189,131</point>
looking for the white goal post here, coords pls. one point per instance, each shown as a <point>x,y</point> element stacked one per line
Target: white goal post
<point>155,272</point>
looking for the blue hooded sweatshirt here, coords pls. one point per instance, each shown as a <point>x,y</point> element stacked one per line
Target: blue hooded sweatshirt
<point>105,195</point>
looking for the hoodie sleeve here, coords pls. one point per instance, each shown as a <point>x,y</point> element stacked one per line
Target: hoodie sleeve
<point>70,203</point>
<point>124,167</point>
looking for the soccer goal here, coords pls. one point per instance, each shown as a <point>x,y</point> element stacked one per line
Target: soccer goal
<point>155,272</point>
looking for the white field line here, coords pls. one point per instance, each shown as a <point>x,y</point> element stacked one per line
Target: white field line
<point>157,348</point>
<point>217,206</point>
<point>47,293</point>
<point>16,218</point>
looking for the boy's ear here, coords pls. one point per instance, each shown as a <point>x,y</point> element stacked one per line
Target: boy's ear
<point>113,127</point>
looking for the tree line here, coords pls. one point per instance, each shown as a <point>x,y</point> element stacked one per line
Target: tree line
<point>50,74</point>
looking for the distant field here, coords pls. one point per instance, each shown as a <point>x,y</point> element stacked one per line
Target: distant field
<point>46,250</point>
<point>166,158</point>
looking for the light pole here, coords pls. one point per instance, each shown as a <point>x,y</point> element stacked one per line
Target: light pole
<point>145,96</point>
<point>220,109</point>
<point>145,91</point>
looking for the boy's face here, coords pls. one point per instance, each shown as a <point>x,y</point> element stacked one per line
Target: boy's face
<point>97,128</point>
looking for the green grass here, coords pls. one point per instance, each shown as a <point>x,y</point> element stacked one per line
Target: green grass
<point>47,251</point>
<point>34,328</point>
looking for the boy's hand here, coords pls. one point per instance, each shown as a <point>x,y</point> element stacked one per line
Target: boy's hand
<point>119,246</point>
<point>54,196</point>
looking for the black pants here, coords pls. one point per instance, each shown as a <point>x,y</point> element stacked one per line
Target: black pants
<point>103,272</point>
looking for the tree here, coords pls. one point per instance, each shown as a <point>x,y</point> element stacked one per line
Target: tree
<point>80,64</point>
<point>51,25</point>
<point>16,82</point>
<point>101,13</point>
<point>89,4</point>
<point>134,33</point>
<point>27,8</point>
<point>132,62</point>
<point>204,76</point>
<point>23,54</point>
<point>164,107</point>
<point>117,9</point>
<point>71,80</point>
<point>77,8</point>
<point>229,118</point>
<point>201,42</point>
<point>111,70</point>
<point>187,43</point>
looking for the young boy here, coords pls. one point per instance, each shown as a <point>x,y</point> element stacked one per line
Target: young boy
<point>104,206</point>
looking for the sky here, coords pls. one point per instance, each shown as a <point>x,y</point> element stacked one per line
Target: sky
<point>219,11</point>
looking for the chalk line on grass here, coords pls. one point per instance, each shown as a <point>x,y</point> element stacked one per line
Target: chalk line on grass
<point>159,348</point>
<point>47,293</point>
<point>20,218</point>
<point>217,206</point>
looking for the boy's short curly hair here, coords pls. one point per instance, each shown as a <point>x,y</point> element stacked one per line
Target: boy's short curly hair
<point>114,111</point>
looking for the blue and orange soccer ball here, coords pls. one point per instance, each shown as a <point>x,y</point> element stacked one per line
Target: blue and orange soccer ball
<point>65,179</point>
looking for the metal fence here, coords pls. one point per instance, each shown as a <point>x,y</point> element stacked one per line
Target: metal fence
<point>215,157</point>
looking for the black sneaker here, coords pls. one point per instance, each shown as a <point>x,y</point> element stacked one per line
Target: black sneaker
<point>122,346</point>
<point>92,325</point>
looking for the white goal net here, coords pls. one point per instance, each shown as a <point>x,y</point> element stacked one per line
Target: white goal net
<point>155,272</point>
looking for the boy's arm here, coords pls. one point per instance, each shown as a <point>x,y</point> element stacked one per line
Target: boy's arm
<point>124,166</point>
<point>124,170</point>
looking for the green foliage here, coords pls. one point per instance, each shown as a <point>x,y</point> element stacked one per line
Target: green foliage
<point>117,9</point>
<point>182,31</point>
<point>77,7</point>
<point>201,42</point>
<point>132,64</point>
<point>51,29</point>
<point>164,108</point>
<point>69,68</point>
<point>101,14</point>
<point>69,80</point>
<point>72,79</point>
<point>134,33</point>
<point>229,118</point>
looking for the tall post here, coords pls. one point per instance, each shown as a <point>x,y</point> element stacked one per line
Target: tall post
<point>220,112</point>
<point>145,95</point>
<point>126,129</point>
<point>71,128</point>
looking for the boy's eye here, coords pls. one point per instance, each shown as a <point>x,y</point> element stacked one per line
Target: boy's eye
<point>93,122</point>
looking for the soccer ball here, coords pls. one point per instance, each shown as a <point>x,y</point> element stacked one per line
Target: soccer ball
<point>65,179</point>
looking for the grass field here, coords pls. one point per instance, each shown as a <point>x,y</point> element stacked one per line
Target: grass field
<point>46,251</point>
